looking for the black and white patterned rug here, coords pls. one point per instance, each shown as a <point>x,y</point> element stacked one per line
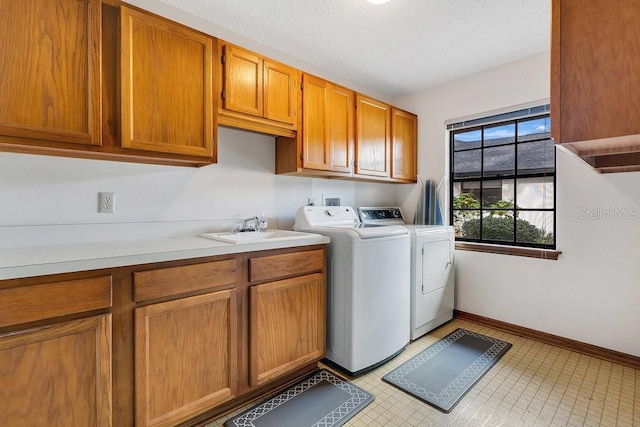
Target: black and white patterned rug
<point>445,371</point>
<point>320,400</point>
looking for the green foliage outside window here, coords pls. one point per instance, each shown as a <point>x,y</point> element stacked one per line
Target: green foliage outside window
<point>498,225</point>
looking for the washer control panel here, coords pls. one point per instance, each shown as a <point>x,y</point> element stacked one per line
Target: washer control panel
<point>381,216</point>
<point>327,216</point>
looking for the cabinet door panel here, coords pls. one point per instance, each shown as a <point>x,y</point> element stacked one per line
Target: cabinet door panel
<point>372,137</point>
<point>287,326</point>
<point>314,124</point>
<point>280,90</point>
<point>243,81</point>
<point>167,86</point>
<point>404,141</point>
<point>57,375</point>
<point>186,357</point>
<point>50,68</point>
<point>340,128</point>
<point>595,58</point>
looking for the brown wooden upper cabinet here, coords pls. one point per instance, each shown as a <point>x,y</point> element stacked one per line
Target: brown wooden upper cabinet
<point>340,127</point>
<point>327,125</point>
<point>404,144</point>
<point>166,86</point>
<point>335,126</point>
<point>257,93</point>
<point>95,80</point>
<point>373,137</point>
<point>325,140</point>
<point>595,90</point>
<point>50,84</point>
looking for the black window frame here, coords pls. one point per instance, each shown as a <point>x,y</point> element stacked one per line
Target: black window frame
<point>514,117</point>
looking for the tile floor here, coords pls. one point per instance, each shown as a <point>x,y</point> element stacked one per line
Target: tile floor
<point>534,384</point>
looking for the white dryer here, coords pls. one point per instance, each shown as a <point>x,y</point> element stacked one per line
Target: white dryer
<point>368,286</point>
<point>432,270</point>
<point>432,277</point>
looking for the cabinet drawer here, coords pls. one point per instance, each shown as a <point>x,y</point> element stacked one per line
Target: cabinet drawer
<point>31,303</point>
<point>165,282</point>
<point>275,266</point>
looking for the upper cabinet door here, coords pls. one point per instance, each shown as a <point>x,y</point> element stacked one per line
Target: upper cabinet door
<point>373,135</point>
<point>314,124</point>
<point>340,128</point>
<point>167,86</point>
<point>243,81</point>
<point>404,141</point>
<point>280,92</point>
<point>595,60</point>
<point>50,70</point>
<point>327,125</point>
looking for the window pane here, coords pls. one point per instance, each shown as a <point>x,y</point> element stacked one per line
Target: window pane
<point>537,157</point>
<point>535,227</point>
<point>497,193</point>
<point>467,224</point>
<point>467,164</point>
<point>499,161</point>
<point>466,195</point>
<point>501,134</point>
<point>535,193</point>
<point>534,129</point>
<point>467,140</point>
<point>497,226</point>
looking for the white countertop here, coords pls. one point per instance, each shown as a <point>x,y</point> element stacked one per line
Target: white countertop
<point>54,259</point>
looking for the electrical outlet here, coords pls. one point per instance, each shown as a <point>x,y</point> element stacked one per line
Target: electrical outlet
<point>106,202</point>
<point>330,200</point>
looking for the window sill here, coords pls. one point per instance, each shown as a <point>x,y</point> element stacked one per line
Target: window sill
<point>509,250</point>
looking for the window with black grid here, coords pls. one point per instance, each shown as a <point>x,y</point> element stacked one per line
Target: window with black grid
<point>503,175</point>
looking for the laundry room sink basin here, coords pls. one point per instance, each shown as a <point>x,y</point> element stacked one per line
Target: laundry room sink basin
<point>257,236</point>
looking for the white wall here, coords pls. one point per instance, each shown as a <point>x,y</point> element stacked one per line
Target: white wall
<point>591,293</point>
<point>45,199</point>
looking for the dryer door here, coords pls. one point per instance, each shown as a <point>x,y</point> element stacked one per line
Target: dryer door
<point>437,262</point>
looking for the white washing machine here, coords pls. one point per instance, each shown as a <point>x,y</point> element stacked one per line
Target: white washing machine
<point>432,270</point>
<point>368,290</point>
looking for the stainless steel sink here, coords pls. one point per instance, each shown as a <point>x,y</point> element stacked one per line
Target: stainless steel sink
<point>257,236</point>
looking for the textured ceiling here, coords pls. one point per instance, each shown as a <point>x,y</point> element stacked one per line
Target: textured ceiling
<point>395,48</point>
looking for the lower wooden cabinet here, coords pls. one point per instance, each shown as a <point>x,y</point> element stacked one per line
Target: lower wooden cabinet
<point>159,344</point>
<point>57,375</point>
<point>185,357</point>
<point>287,326</point>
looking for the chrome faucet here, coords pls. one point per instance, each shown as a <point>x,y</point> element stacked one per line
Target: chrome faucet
<point>248,224</point>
